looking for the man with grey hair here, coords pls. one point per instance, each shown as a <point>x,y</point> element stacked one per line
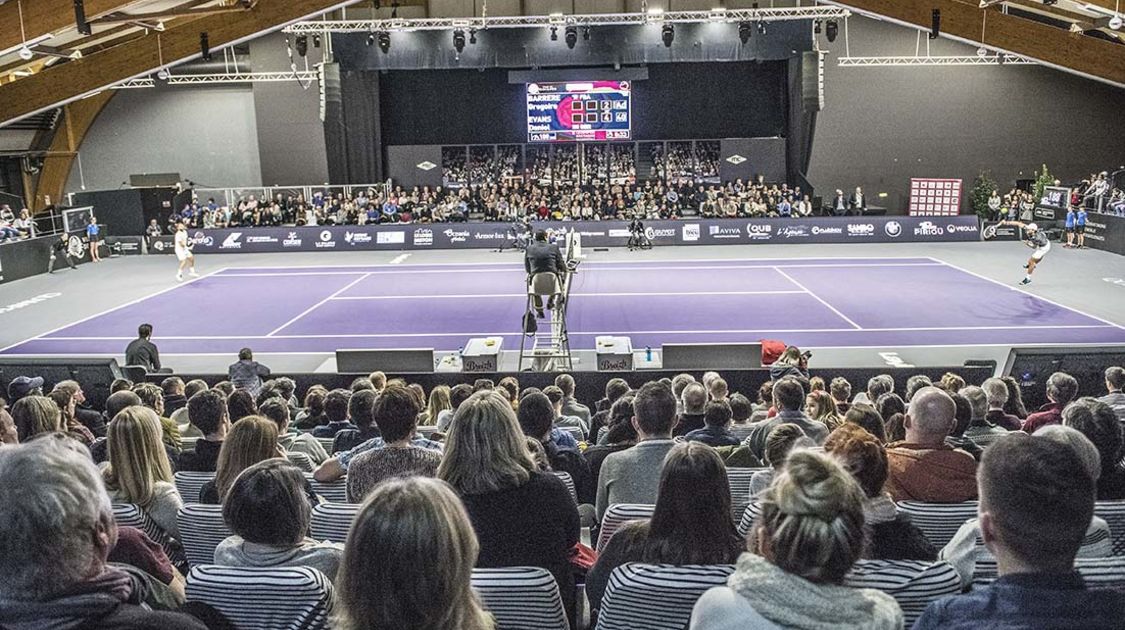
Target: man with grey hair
<point>679,382</point>
<point>1061,389</point>
<point>980,430</point>
<point>1114,383</point>
<point>694,404</point>
<point>58,531</point>
<point>876,387</point>
<point>997,393</point>
<point>923,467</point>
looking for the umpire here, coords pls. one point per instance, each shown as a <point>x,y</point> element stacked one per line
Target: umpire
<point>61,247</point>
<point>544,257</point>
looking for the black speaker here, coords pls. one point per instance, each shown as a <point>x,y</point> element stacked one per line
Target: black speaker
<point>935,24</point>
<point>812,81</point>
<point>397,361</point>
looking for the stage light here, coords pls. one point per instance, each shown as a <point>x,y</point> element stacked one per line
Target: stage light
<point>761,27</point>
<point>554,33</point>
<point>459,40</point>
<point>586,33</point>
<point>80,18</point>
<point>26,54</point>
<point>162,74</point>
<point>1116,22</point>
<point>982,52</point>
<point>745,31</point>
<point>371,39</point>
<point>472,36</point>
<point>935,24</point>
<point>667,34</point>
<point>831,30</point>
<point>816,27</point>
<point>316,41</point>
<point>571,36</point>
<point>205,46</point>
<point>302,45</point>
<point>384,41</point>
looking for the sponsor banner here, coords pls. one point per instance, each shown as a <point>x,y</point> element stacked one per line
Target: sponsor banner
<point>1004,232</point>
<point>1106,231</point>
<point>594,234</point>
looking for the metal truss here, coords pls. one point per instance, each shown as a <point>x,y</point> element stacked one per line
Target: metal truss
<point>967,60</point>
<point>222,78</point>
<point>558,19</point>
<point>134,84</point>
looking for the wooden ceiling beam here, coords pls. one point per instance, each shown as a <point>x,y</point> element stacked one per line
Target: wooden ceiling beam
<point>1088,56</point>
<point>67,82</point>
<point>45,17</point>
<point>178,12</point>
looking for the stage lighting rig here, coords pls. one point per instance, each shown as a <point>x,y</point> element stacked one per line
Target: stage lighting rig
<point>302,45</point>
<point>745,31</point>
<point>571,36</point>
<point>668,34</point>
<point>554,33</point>
<point>205,46</point>
<point>384,41</point>
<point>831,30</point>
<point>472,36</point>
<point>459,41</point>
<point>371,39</point>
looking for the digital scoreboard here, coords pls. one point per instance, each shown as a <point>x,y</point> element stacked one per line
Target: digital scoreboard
<point>579,111</point>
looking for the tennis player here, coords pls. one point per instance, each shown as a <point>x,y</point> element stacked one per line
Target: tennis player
<point>1035,239</point>
<point>184,253</point>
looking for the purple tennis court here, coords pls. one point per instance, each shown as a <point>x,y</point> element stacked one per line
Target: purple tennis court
<point>815,302</point>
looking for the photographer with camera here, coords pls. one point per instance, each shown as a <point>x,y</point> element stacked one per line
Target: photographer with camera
<point>637,237</point>
<point>61,247</point>
<point>792,362</point>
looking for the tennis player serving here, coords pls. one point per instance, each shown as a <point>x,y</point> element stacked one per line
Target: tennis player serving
<point>184,253</point>
<point>1035,239</point>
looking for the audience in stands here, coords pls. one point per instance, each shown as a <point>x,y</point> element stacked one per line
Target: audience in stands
<point>1015,405</point>
<point>841,391</point>
<point>247,373</point>
<point>792,362</point>
<point>83,413</point>
<point>312,414</point>
<point>1061,389</point>
<point>570,406</point>
<point>267,510</point>
<point>633,474</point>
<point>251,440</point>
<point>174,393</point>
<point>294,443</point>
<point>207,411</point>
<point>395,413</point>
<point>962,416</point>
<point>408,562</point>
<point>924,467</point>
<point>619,434</point>
<point>139,471</point>
<point>782,439</point>
<point>690,524</point>
<point>1099,424</point>
<point>789,399</point>
<point>34,415</point>
<point>693,405</point>
<point>809,534</point>
<point>996,391</point>
<point>1036,503</point>
<point>67,420</point>
<point>457,394</point>
<point>563,421</point>
<point>337,413</point>
<point>536,414</point>
<point>153,397</point>
<point>821,407</point>
<point>21,386</point>
<point>980,430</point>
<point>438,403</point>
<point>716,431</point>
<point>1114,382</point>
<point>8,433</point>
<point>522,517</point>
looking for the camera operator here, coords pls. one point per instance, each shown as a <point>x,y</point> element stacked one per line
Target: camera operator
<point>792,362</point>
<point>61,247</point>
<point>544,257</point>
<point>637,237</point>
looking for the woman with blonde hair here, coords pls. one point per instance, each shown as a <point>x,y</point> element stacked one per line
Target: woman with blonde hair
<point>67,406</point>
<point>439,402</point>
<point>34,415</point>
<point>384,581</point>
<point>138,470</point>
<point>522,517</point>
<point>809,534</point>
<point>821,406</point>
<point>249,441</point>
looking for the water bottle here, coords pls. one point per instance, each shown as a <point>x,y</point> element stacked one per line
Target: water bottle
<point>648,354</point>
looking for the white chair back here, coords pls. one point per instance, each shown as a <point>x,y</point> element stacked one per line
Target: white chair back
<point>521,598</point>
<point>913,583</point>
<point>617,515</point>
<point>275,598</point>
<point>656,596</point>
<point>333,521</point>
<point>190,483</point>
<point>938,521</point>
<point>202,528</point>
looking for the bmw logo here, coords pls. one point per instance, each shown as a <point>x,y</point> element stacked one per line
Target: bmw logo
<point>893,228</point>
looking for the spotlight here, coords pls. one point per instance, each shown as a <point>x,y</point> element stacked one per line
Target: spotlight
<point>302,45</point>
<point>571,36</point>
<point>371,39</point>
<point>384,41</point>
<point>982,52</point>
<point>316,41</point>
<point>831,30</point>
<point>162,74</point>
<point>761,27</point>
<point>745,31</point>
<point>667,34</point>
<point>816,27</point>
<point>205,46</point>
<point>472,36</point>
<point>1116,22</point>
<point>554,33</point>
<point>586,33</point>
<point>459,40</point>
<point>26,54</point>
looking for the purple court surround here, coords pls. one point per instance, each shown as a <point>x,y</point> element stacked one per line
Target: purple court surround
<point>816,302</point>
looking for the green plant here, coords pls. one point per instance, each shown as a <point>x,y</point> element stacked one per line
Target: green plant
<point>983,187</point>
<point>1042,180</point>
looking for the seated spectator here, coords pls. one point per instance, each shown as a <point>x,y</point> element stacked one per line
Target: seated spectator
<point>457,394</point>
<point>619,434</point>
<point>21,386</point>
<point>251,440</point>
<point>888,405</point>
<point>1014,406</point>
<point>536,415</point>
<point>951,383</point>
<point>924,467</point>
<point>1061,389</point>
<point>790,363</point>
<point>962,415</point>
<point>717,421</point>
<point>1099,424</point>
<point>555,395</point>
<point>522,517</point>
<point>789,399</point>
<point>241,404</point>
<point>378,380</point>
<point>360,407</point>
<point>312,415</point>
<point>718,389</point>
<point>691,523</point>
<point>247,373</point>
<point>740,410</point>
<point>864,415</point>
<point>980,430</point>
<point>1036,503</point>
<point>175,395</point>
<point>59,529</point>
<point>891,534</point>
<point>267,510</point>
<point>693,402</point>
<point>336,466</point>
<point>83,412</point>
<point>633,475</point>
<point>141,351</point>
<point>782,439</point>
<point>996,391</point>
<point>8,433</point>
<point>34,415</point>
<point>65,402</point>
<point>570,406</point>
<point>1114,382</point>
<point>915,383</point>
<point>180,416</point>
<point>679,384</point>
<point>807,538</point>
<point>821,407</point>
<point>876,387</point>
<point>383,581</point>
<point>764,403</point>
<point>964,551</point>
<point>438,402</point>
<point>153,397</point>
<point>336,411</point>
<point>290,441</point>
<point>139,471</point>
<point>207,411</point>
<point>395,414</point>
<point>841,391</point>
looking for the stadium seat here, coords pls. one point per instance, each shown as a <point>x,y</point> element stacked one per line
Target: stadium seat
<point>913,583</point>
<point>333,491</point>
<point>575,432</point>
<point>1113,513</point>
<point>938,521</point>
<point>749,515</point>
<point>189,484</point>
<point>202,528</point>
<point>656,596</point>
<point>327,443</point>
<point>301,460</point>
<point>129,515</point>
<point>739,479</point>
<point>290,598</point>
<point>569,481</point>
<point>187,444</point>
<point>617,515</point>
<point>333,521</point>
<point>521,598</point>
<point>426,431</point>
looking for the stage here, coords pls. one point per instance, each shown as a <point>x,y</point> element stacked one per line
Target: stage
<point>852,304</point>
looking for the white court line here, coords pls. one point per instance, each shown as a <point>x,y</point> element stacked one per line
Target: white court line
<point>818,299</point>
<point>1025,292</point>
<point>178,285</point>
<point>398,259</point>
<point>318,304</point>
<point>611,332</point>
<point>383,271</point>
<point>572,295</point>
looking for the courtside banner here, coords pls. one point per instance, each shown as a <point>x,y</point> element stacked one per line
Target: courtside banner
<point>1106,231</point>
<point>594,234</point>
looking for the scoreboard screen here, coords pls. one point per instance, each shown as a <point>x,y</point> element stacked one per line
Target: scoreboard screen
<point>579,111</point>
